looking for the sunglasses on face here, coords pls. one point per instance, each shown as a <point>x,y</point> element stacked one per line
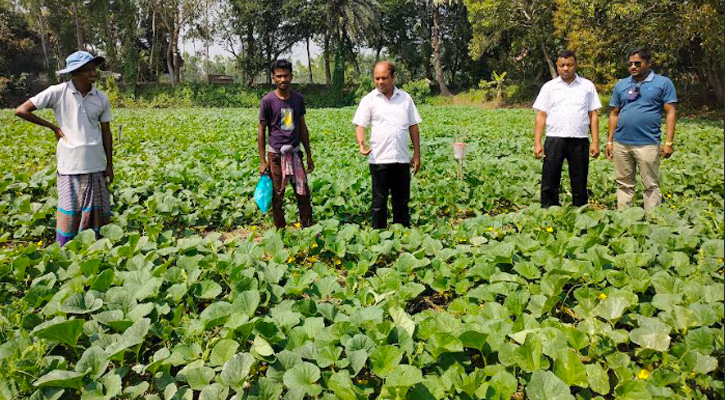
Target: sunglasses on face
<point>634,92</point>
<point>635,63</point>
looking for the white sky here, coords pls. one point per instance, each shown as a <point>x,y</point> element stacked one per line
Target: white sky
<point>298,52</point>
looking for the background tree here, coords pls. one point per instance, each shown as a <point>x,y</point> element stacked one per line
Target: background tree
<point>524,24</point>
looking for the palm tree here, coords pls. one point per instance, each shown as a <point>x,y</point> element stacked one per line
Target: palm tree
<point>348,22</point>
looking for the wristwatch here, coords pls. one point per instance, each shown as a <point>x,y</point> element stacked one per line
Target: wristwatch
<point>610,143</point>
<point>668,143</point>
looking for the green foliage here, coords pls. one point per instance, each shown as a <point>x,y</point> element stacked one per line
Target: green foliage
<point>191,293</point>
<point>419,90</point>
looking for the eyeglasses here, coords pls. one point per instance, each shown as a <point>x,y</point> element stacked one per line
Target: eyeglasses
<point>634,92</point>
<point>635,63</point>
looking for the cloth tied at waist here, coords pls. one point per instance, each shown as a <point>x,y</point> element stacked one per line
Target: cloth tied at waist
<point>292,168</point>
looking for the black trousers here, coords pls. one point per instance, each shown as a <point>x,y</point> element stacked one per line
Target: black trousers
<point>394,179</point>
<point>576,152</point>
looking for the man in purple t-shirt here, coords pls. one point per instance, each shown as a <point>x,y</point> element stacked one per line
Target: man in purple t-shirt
<point>282,113</point>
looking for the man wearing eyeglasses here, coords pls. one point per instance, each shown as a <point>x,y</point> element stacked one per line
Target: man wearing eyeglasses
<point>634,140</point>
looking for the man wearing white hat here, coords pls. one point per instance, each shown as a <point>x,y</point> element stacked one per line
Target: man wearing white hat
<point>84,150</point>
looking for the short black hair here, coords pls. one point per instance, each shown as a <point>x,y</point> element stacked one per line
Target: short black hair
<point>643,53</point>
<point>391,66</point>
<point>280,64</point>
<point>566,54</point>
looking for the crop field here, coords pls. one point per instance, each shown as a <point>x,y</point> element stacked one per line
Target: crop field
<point>191,293</point>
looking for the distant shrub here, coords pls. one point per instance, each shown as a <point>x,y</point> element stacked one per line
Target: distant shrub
<point>419,90</point>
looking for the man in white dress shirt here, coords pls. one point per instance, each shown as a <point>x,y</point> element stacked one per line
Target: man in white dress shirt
<point>392,117</point>
<point>567,106</point>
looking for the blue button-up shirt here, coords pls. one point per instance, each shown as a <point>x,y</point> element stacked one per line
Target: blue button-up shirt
<point>640,120</point>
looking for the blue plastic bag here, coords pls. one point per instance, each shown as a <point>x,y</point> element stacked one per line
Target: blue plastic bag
<point>263,193</point>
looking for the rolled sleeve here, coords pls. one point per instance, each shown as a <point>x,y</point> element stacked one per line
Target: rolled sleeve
<point>106,114</point>
<point>594,102</point>
<point>669,95</point>
<point>362,114</point>
<point>542,100</point>
<point>413,116</point>
<point>45,99</point>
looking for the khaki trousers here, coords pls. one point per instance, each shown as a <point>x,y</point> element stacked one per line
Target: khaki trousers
<point>626,161</point>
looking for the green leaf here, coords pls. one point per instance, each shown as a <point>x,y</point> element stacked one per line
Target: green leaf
<point>357,360</point>
<point>214,391</point>
<point>59,330</point>
<point>246,303</point>
<point>261,347</point>
<point>570,369</point>
<point>60,378</point>
<point>81,304</point>
<point>700,363</point>
<point>384,358</point>
<point>216,314</point>
<point>612,307</point>
<point>442,342</point>
<point>404,376</point>
<point>597,378</point>
<point>132,336</point>
<point>544,385</point>
<point>502,386</point>
<point>93,362</point>
<point>651,334</point>
<point>301,379</point>
<point>632,390</point>
<point>196,377</point>
<point>206,289</point>
<point>112,232</point>
<point>341,384</point>
<point>222,352</point>
<point>235,371</point>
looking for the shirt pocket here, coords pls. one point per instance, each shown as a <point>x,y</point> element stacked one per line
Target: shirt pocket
<point>93,112</point>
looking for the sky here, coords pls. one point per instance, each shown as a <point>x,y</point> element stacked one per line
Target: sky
<point>297,53</point>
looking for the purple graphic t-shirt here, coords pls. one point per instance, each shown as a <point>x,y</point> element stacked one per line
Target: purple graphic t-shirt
<point>283,118</point>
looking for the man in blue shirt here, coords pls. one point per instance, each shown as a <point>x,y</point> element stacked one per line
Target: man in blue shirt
<point>634,129</point>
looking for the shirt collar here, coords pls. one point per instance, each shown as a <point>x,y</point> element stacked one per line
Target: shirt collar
<point>649,77</point>
<point>73,89</point>
<point>396,92</point>
<point>577,79</point>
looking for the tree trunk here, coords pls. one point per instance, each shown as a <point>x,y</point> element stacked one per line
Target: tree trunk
<point>41,33</point>
<point>545,53</point>
<point>176,59</point>
<point>309,59</point>
<point>153,41</point>
<point>714,78</point>
<point>79,30</point>
<point>326,53</point>
<point>377,53</point>
<point>437,55</point>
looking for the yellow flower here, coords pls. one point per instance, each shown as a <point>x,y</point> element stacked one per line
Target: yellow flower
<point>253,227</point>
<point>297,225</point>
<point>338,262</point>
<point>40,243</point>
<point>602,296</point>
<point>720,260</point>
<point>290,259</point>
<point>550,229</point>
<point>669,195</point>
<point>490,229</point>
<point>643,374</point>
<point>314,245</point>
